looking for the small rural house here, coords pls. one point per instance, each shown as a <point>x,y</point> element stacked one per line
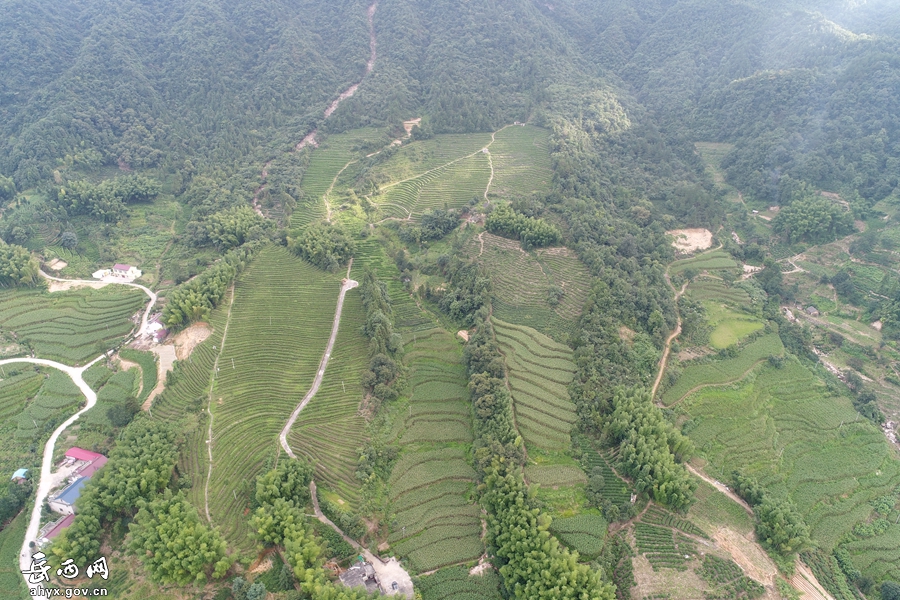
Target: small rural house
<point>812,311</point>
<point>86,463</point>
<point>19,475</point>
<point>123,270</point>
<point>53,529</point>
<point>361,574</point>
<point>64,502</point>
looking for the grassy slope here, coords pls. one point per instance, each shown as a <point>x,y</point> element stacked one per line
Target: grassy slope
<point>280,322</point>
<point>69,326</point>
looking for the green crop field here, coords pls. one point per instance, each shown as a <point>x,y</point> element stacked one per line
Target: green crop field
<point>657,516</point>
<point>713,289</point>
<point>149,368</point>
<point>783,427</point>
<point>280,323</point>
<point>449,186</point>
<point>11,538</point>
<point>729,326</point>
<point>614,487</point>
<point>432,482</point>
<point>330,429</point>
<point>435,524</point>
<point>716,372</point>
<point>70,326</point>
<point>554,475</point>
<point>584,533</point>
<point>415,158</point>
<point>523,280</point>
<point>455,583</point>
<point>663,547</point>
<point>728,580</point>
<point>713,260</point>
<point>325,163</point>
<point>521,157</point>
<point>539,370</point>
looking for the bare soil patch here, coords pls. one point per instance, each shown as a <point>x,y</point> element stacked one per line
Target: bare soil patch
<point>747,553</point>
<point>57,264</point>
<point>806,583</point>
<point>166,355</point>
<point>408,125</point>
<point>691,240</point>
<point>62,286</point>
<point>189,338</point>
<point>463,334</point>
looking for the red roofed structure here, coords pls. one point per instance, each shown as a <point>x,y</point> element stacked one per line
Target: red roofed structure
<point>82,454</point>
<point>93,467</point>
<point>59,526</point>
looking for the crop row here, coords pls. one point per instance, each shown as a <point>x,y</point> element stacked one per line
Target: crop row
<point>584,533</point>
<point>551,475</point>
<point>721,371</point>
<point>657,516</point>
<point>455,583</point>
<point>614,488</point>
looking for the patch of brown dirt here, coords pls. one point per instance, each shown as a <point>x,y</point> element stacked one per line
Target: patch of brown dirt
<point>57,264</point>
<point>62,286</point>
<point>806,583</point>
<point>463,334</point>
<point>747,553</point>
<point>166,355</point>
<point>691,240</point>
<point>189,338</point>
<point>408,125</point>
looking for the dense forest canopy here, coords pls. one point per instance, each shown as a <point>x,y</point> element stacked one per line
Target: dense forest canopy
<point>175,128</point>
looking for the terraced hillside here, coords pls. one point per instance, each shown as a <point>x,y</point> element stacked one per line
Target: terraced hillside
<point>325,163</point>
<point>448,186</point>
<point>330,429</point>
<point>436,524</point>
<point>71,326</point>
<point>521,158</point>
<point>710,261</point>
<point>523,282</point>
<point>782,426</point>
<point>539,370</point>
<point>280,323</point>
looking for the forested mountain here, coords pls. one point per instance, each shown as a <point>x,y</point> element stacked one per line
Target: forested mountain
<point>539,340</point>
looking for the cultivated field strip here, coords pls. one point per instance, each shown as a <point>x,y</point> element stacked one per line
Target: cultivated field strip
<point>280,323</point>
<point>419,157</point>
<point>70,326</point>
<point>584,533</point>
<point>449,186</point>
<point>783,427</point>
<point>436,524</point>
<point>713,289</point>
<point>713,260</point>
<point>538,370</point>
<point>521,157</point>
<point>447,530</point>
<point>723,371</point>
<point>614,487</point>
<point>407,315</point>
<point>330,430</point>
<point>522,283</point>
<point>325,163</point>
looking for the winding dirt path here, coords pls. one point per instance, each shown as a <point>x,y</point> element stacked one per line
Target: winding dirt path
<point>346,286</point>
<point>209,401</point>
<point>675,333</point>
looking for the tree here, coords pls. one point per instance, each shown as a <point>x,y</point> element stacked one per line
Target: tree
<point>68,240</point>
<point>17,267</point>
<point>7,189</point>
<point>780,527</point>
<point>890,590</point>
<point>324,245</point>
<point>174,545</point>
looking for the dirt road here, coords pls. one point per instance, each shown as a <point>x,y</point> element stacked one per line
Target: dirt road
<point>347,285</point>
<point>47,480</point>
<point>675,333</point>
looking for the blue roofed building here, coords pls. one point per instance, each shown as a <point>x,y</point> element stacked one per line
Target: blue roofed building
<point>64,502</point>
<point>19,475</point>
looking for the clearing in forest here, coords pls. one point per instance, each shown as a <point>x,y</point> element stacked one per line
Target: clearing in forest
<point>539,370</point>
<point>280,322</point>
<point>436,524</point>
